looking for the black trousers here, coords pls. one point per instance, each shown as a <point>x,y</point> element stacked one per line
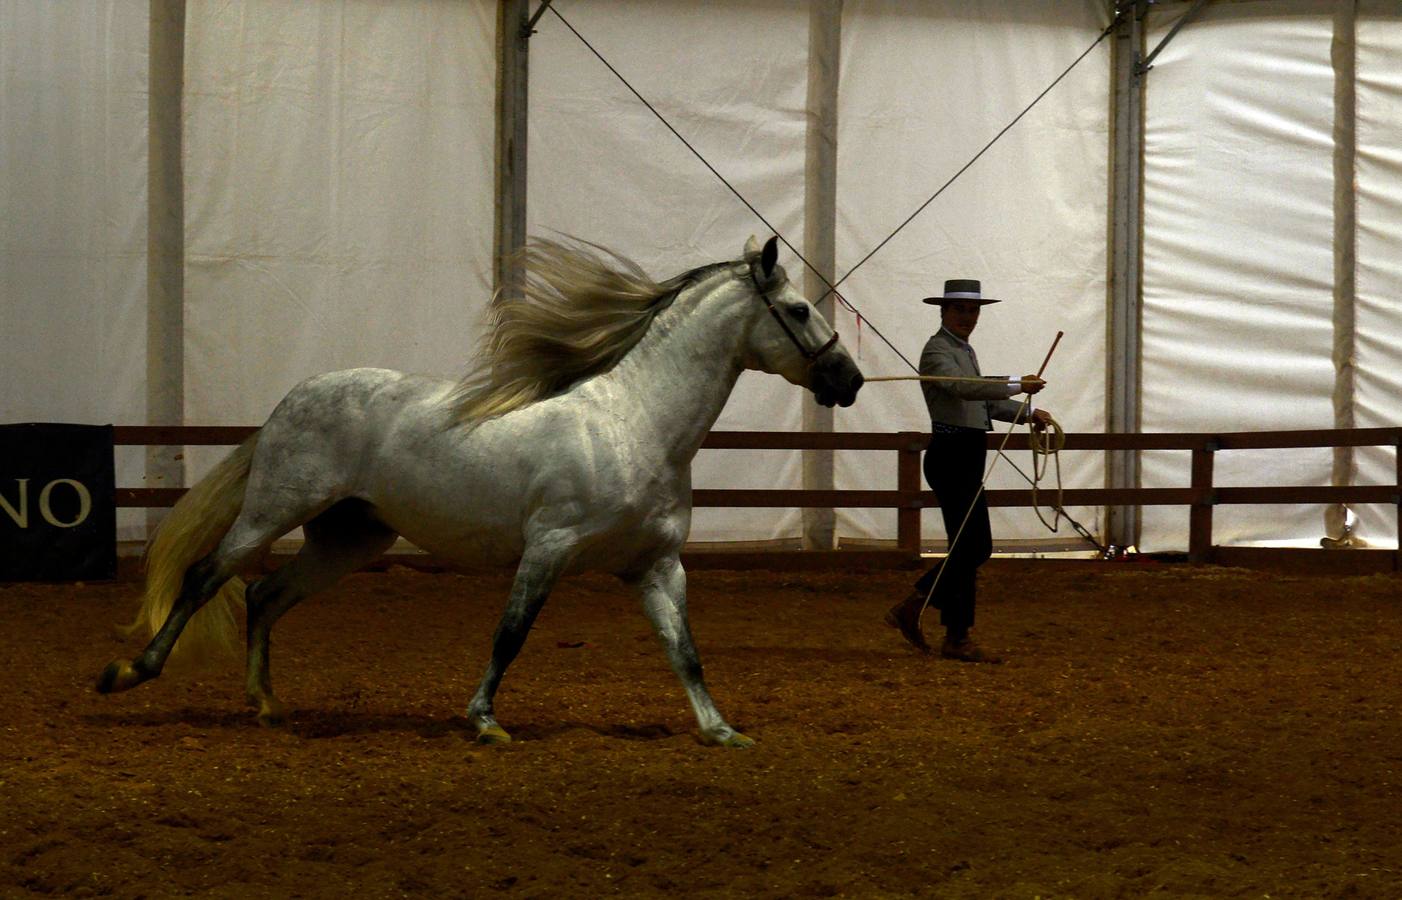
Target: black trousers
<point>954,465</point>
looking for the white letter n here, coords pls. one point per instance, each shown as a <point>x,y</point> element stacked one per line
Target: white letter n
<point>22,516</point>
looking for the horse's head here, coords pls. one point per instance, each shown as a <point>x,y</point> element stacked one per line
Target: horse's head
<point>791,338</point>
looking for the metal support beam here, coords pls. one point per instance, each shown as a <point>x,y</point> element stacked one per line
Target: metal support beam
<point>530,26</point>
<point>819,237</point>
<point>1123,378</point>
<point>1148,62</point>
<point>513,40</point>
<point>165,242</point>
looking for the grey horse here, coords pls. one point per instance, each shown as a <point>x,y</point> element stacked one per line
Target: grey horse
<point>568,448</point>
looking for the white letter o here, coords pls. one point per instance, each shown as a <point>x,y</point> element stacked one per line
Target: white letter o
<point>84,503</point>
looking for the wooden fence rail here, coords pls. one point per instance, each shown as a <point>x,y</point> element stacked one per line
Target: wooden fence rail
<point>909,499</point>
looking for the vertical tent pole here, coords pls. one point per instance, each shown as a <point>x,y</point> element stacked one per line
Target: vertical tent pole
<point>513,41</point>
<point>1122,469</point>
<point>1343,55</point>
<point>819,238</point>
<point>165,243</point>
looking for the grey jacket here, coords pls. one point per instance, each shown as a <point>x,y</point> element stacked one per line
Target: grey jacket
<point>962,403</point>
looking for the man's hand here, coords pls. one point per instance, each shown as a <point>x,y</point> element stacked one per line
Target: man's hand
<point>1031,384</point>
<point>1041,419</point>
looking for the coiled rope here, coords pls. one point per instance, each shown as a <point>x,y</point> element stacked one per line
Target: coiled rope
<point>1046,444</point>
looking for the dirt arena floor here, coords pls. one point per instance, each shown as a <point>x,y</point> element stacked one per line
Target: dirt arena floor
<point>1157,730</point>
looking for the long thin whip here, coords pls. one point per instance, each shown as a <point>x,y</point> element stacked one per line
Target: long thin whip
<point>956,379</point>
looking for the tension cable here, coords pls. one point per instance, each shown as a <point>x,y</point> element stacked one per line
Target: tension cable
<point>832,287</point>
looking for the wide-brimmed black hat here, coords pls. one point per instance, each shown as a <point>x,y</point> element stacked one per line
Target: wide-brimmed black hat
<point>967,289</point>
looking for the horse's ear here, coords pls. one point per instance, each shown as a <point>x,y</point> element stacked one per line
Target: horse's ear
<point>752,247</point>
<point>769,256</point>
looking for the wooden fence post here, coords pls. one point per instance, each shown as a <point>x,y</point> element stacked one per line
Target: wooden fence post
<point>1397,555</point>
<point>1200,518</point>
<point>908,484</point>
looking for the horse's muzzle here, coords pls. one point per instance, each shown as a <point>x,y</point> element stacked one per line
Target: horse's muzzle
<point>836,380</point>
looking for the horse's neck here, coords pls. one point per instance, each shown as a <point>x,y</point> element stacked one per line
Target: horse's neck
<point>679,376</point>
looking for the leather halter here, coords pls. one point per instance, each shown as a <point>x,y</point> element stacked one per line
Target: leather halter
<point>810,355</point>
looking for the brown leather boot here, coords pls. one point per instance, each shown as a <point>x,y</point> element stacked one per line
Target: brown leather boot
<point>905,617</point>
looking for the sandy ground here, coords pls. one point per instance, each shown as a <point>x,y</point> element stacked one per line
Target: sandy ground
<point>1156,730</point>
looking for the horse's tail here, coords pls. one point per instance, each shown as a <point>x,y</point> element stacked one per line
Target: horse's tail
<point>190,532</point>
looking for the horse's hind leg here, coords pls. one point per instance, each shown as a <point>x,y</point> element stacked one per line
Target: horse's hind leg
<point>536,575</point>
<point>663,592</point>
<point>201,581</point>
<point>339,541</point>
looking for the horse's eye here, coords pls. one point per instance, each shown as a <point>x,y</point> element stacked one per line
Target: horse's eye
<point>799,312</point>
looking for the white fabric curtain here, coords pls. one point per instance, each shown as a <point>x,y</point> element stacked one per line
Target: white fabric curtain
<point>73,91</point>
<point>338,165</point>
<point>338,159</point>
<point>1238,255</point>
<point>1378,366</point>
<point>924,88</point>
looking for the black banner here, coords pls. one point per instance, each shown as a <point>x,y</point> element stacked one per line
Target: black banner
<point>58,513</point>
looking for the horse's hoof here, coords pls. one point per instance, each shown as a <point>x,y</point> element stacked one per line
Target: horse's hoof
<point>493,734</point>
<point>732,738</point>
<point>738,741</point>
<point>117,677</point>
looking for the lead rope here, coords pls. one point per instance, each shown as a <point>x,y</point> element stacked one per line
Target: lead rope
<point>1049,443</point>
<point>1046,446</point>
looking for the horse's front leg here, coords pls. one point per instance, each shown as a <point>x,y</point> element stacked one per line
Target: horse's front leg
<point>663,592</point>
<point>536,575</point>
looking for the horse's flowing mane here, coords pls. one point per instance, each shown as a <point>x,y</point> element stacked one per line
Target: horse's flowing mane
<point>573,310</point>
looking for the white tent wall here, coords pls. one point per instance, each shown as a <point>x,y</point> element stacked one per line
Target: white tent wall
<point>1378,365</point>
<point>1238,255</point>
<point>924,88</point>
<point>73,100</point>
<point>339,201</point>
<point>732,78</point>
<point>338,160</point>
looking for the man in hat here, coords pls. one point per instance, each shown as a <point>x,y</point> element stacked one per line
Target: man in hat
<point>960,419</point>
